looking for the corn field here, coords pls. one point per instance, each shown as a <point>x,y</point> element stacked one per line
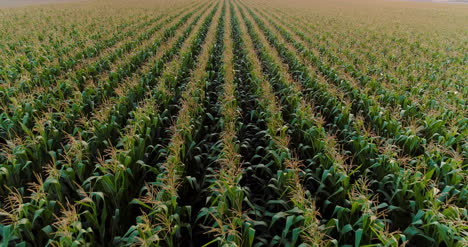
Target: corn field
<point>234,123</point>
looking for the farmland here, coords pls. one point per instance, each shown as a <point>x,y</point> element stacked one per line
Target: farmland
<point>234,123</point>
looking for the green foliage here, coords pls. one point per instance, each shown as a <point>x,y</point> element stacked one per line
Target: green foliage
<point>225,123</point>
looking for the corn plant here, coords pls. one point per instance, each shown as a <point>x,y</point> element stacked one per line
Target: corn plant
<point>233,123</point>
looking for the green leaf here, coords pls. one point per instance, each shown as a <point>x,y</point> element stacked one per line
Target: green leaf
<point>48,230</point>
<point>276,217</point>
<point>358,236</point>
<point>37,214</point>
<point>346,229</point>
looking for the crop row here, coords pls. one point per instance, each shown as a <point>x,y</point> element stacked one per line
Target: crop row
<point>223,122</point>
